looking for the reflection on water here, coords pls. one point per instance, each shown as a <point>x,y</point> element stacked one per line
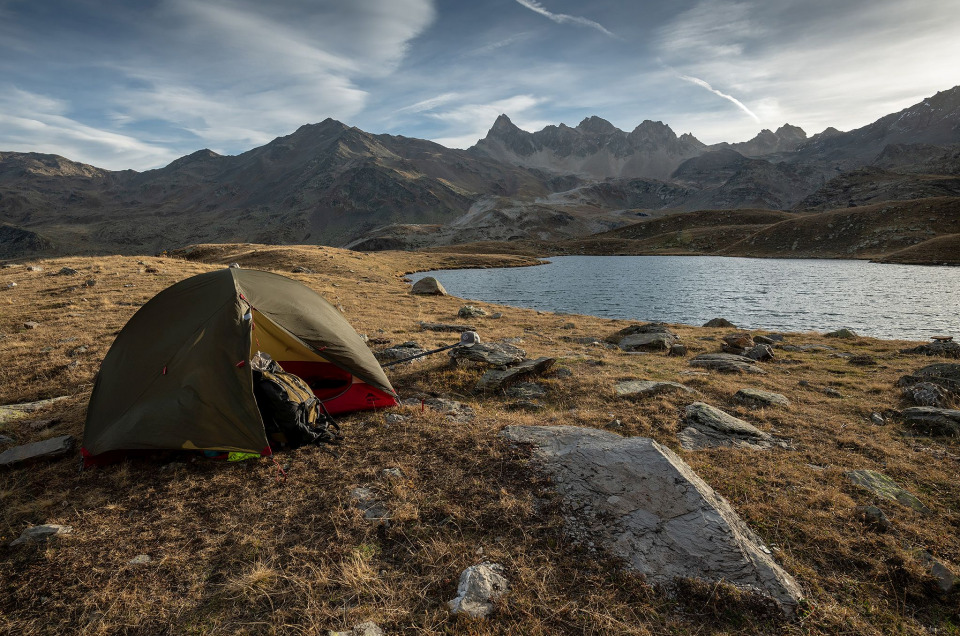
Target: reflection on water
<point>885,301</point>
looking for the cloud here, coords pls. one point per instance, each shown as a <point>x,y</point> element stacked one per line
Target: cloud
<point>563,18</point>
<point>730,98</point>
<point>38,123</point>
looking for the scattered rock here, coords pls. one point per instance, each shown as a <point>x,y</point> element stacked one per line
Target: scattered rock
<point>438,326</point>
<point>46,449</point>
<point>394,418</point>
<point>709,427</point>
<point>569,325</point>
<point>495,353</point>
<point>760,353</point>
<point>11,285</point>
<point>649,388</point>
<point>945,375</point>
<point>877,419</point>
<point>469,311</point>
<point>526,390</point>
<point>300,269</point>
<point>67,271</point>
<point>615,424</point>
<point>926,394</point>
<point>451,409</point>
<point>399,352</point>
<point>77,351</point>
<point>737,343</point>
<point>34,268</point>
<point>832,392</point>
<point>884,487</point>
<point>759,397</point>
<point>367,502</point>
<point>428,286</point>
<point>140,559</point>
<point>726,362</point>
<point>479,587</point>
<point>715,323</point>
<point>31,325</point>
<point>233,266</point>
<point>945,579</point>
<point>650,327</point>
<point>677,350</point>
<point>367,628</point>
<point>938,348</point>
<point>392,473</point>
<point>153,270</point>
<point>41,533</point>
<point>7,441</point>
<point>764,340</point>
<point>496,379</point>
<point>648,342</point>
<point>874,518</point>
<point>844,333</point>
<point>11,412</point>
<point>562,372</point>
<point>862,361</point>
<point>645,505</point>
<point>933,421</point>
<point>90,282</point>
<point>496,315</point>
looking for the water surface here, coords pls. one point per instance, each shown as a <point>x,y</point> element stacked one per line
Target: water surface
<point>910,302</point>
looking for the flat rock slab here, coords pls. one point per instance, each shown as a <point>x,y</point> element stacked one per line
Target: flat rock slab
<point>496,379</point>
<point>933,421</point>
<point>40,533</point>
<point>709,427</point>
<point>648,342</point>
<point>46,449</point>
<point>726,362</point>
<point>883,486</point>
<point>498,354</point>
<point>649,388</point>
<point>439,326</point>
<point>760,398</point>
<point>11,412</point>
<point>644,504</point>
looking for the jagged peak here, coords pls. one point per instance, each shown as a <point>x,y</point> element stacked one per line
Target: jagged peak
<point>794,131</point>
<point>503,124</point>
<point>200,155</point>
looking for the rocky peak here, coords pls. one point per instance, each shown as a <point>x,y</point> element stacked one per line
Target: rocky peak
<point>502,126</point>
<point>597,125</point>
<point>652,132</point>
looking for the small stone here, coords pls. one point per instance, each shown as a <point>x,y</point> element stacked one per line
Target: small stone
<point>367,502</point>
<point>926,394</point>
<point>41,533</point>
<point>496,315</point>
<point>677,350</point>
<point>844,333</point>
<point>760,353</point>
<point>726,362</point>
<point>737,343</point>
<point>526,390</point>
<point>945,579</point>
<point>764,340</point>
<point>862,361</point>
<point>497,354</point>
<point>657,341</point>
<point>760,398</point>
<point>394,418</point>
<point>233,266</point>
<point>392,473</point>
<point>873,517</point>
<point>615,424</point>
<point>31,325</point>
<point>715,323</point>
<point>527,405</point>
<point>569,325</point>
<point>649,388</point>
<point>90,282</point>
<point>154,270</point>
<point>67,271</point>
<point>11,285</point>
<point>562,372</point>
<point>140,559</point>
<point>469,311</point>
<point>883,486</point>
<point>832,392</point>
<point>480,585</point>
<point>300,269</point>
<point>877,419</point>
<point>6,441</point>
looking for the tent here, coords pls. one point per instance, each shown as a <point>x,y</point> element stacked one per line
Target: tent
<point>178,376</point>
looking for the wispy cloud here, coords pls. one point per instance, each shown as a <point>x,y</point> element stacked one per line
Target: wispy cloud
<point>563,18</point>
<point>729,98</point>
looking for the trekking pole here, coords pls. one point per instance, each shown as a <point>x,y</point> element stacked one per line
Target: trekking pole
<point>467,339</point>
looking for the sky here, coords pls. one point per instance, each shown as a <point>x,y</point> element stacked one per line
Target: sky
<point>134,84</point>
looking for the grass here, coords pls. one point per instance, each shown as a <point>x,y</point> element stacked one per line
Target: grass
<point>235,551</point>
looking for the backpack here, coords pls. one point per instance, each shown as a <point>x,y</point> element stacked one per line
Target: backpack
<point>291,412</point>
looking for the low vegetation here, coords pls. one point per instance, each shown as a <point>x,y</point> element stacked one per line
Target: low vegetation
<point>235,549</point>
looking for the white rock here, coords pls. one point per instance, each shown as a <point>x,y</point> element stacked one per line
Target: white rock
<point>40,533</point>
<point>479,586</point>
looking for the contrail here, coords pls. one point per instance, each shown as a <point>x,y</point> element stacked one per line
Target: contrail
<point>700,82</point>
<point>561,18</point>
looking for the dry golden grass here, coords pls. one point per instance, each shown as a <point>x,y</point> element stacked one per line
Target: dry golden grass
<point>234,551</point>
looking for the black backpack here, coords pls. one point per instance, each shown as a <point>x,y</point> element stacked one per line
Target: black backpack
<point>291,413</point>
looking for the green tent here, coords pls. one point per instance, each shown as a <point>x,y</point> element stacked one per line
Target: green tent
<point>178,376</point>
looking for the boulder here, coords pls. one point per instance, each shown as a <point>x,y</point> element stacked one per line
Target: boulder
<point>765,340</point>
<point>469,311</point>
<point>719,322</point>
<point>677,350</point>
<point>933,421</point>
<point>648,342</point>
<point>497,354</point>
<point>709,427</point>
<point>759,397</point>
<point>428,286</point>
<point>926,394</point>
<point>650,327</point>
<point>46,449</point>
<point>438,326</point>
<point>649,388</point>
<point>496,379</point>
<point>40,533</point>
<point>938,348</point>
<point>845,334</point>
<point>760,353</point>
<point>737,343</point>
<point>645,505</point>
<point>726,362</point>
<point>945,375</point>
<point>479,586</point>
<point>884,487</point>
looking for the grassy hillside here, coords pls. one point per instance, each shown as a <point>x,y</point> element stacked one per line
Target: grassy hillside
<point>235,551</point>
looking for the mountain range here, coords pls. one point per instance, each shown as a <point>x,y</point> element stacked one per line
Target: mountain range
<point>329,183</point>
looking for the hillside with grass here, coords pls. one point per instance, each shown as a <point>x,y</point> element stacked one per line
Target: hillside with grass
<point>176,543</point>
